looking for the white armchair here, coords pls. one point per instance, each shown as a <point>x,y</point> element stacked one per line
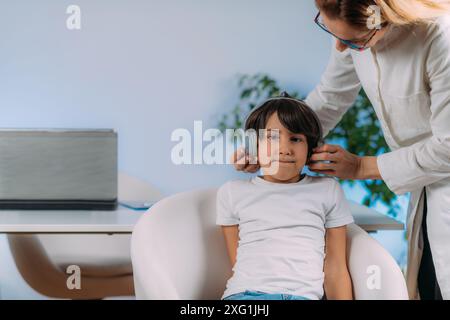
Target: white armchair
<point>178,252</point>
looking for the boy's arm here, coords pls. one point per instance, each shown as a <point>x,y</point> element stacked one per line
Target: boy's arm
<point>231,234</point>
<point>338,284</point>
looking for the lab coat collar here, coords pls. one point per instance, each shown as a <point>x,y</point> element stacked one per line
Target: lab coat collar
<point>393,33</point>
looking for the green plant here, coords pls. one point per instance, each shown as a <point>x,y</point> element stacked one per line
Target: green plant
<point>358,131</point>
<point>253,90</point>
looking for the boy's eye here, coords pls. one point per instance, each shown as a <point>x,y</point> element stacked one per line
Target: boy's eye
<point>296,139</point>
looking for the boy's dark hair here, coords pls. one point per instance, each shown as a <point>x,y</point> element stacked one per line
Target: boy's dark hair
<point>294,114</point>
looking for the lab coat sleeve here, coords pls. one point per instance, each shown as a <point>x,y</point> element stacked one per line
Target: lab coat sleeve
<point>337,90</point>
<point>411,168</point>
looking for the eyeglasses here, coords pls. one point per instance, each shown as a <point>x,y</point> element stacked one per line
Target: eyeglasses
<point>350,44</point>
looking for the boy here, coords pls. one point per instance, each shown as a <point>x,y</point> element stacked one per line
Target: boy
<point>285,232</point>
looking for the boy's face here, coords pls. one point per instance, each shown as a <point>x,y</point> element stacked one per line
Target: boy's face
<point>282,154</point>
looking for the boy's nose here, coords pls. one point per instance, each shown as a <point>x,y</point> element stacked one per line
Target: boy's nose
<point>285,148</point>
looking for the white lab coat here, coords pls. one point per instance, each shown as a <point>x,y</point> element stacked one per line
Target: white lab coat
<point>406,76</point>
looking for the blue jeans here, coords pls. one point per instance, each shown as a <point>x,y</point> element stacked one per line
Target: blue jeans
<point>258,295</point>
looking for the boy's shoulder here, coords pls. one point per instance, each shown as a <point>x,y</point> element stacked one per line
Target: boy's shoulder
<point>325,185</point>
<point>235,184</point>
<point>323,180</point>
<point>232,189</point>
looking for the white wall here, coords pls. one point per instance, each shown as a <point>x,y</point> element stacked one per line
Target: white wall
<point>146,68</point>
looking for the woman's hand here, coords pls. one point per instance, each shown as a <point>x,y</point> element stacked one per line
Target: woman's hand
<point>242,162</point>
<point>343,164</point>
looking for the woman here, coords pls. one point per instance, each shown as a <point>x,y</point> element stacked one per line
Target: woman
<point>403,64</point>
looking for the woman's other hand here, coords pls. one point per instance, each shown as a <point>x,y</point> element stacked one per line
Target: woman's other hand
<point>343,164</point>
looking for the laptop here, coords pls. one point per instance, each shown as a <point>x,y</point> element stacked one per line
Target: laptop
<point>58,169</point>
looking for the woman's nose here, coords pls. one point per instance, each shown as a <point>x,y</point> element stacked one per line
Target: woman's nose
<point>340,46</point>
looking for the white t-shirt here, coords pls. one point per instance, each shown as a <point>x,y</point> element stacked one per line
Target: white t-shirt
<point>281,232</point>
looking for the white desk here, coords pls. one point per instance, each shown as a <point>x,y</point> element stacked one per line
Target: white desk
<point>123,220</point>
<point>372,221</point>
<point>119,221</point>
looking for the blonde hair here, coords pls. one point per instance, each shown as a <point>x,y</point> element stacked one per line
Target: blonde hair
<point>398,12</point>
<point>403,12</point>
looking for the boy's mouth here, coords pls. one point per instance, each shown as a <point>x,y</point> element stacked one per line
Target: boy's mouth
<point>285,161</point>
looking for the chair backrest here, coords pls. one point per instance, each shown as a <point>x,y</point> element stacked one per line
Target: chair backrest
<point>374,272</point>
<point>178,252</point>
